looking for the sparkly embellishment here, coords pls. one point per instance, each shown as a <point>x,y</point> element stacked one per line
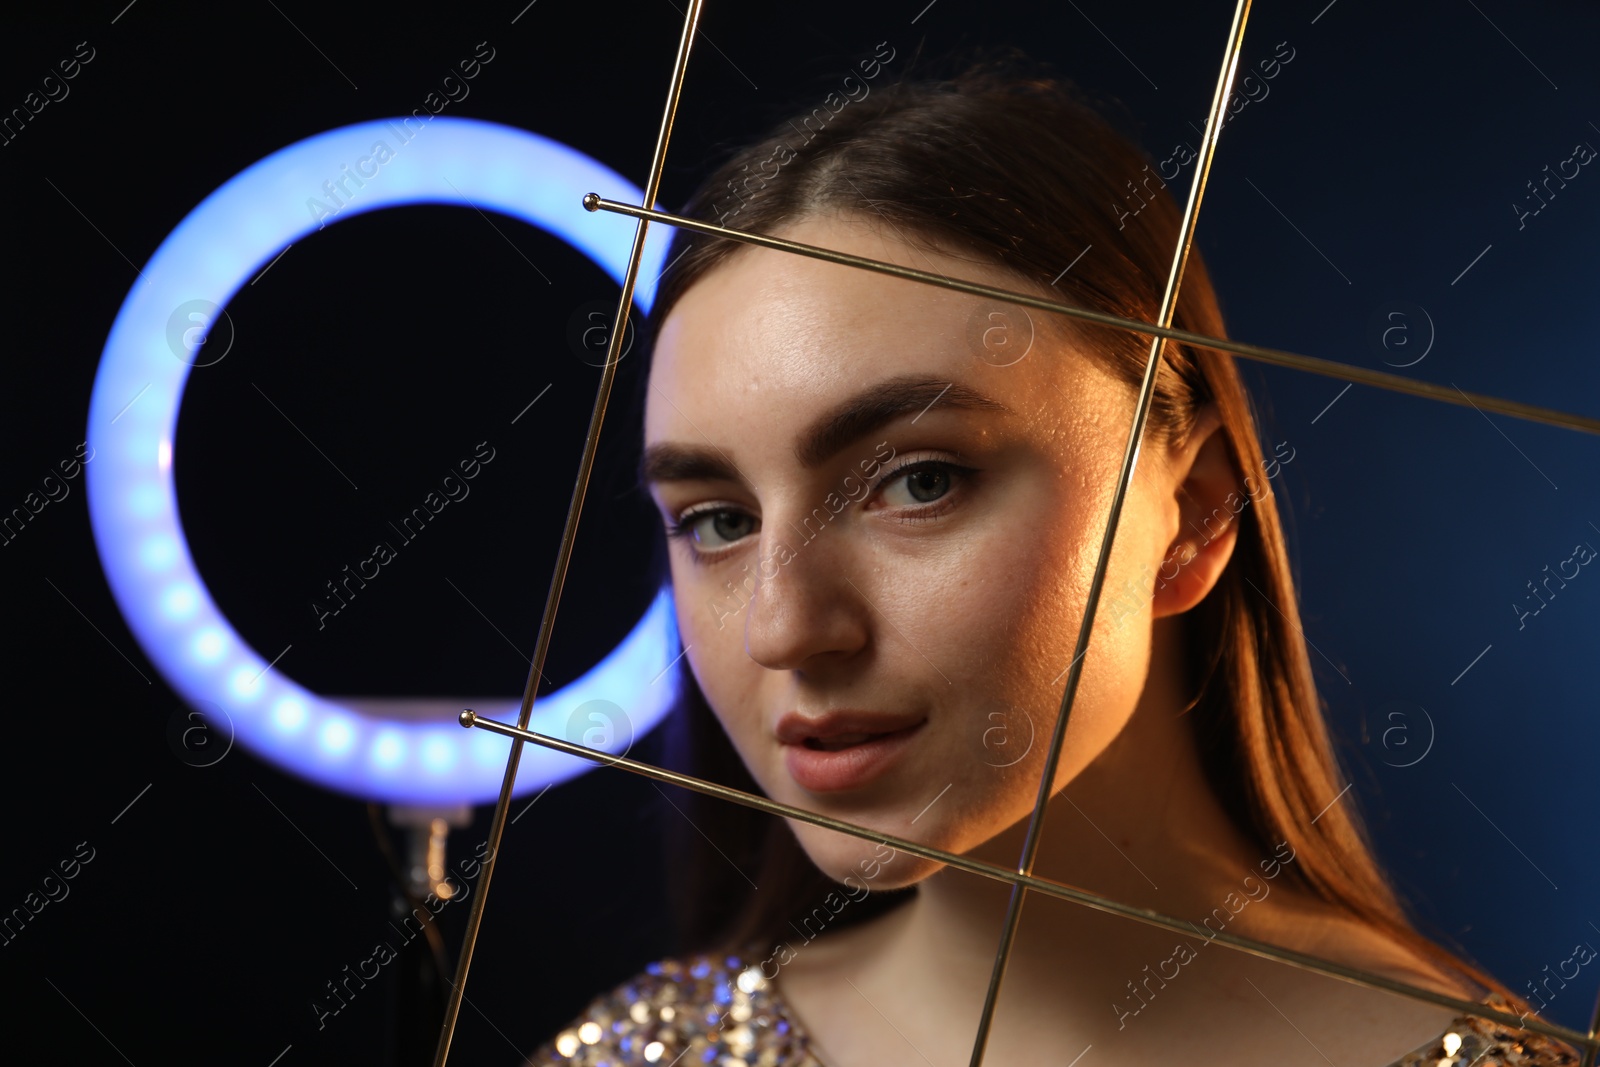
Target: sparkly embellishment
<point>1486,1043</point>
<point>741,1039</point>
<point>716,1010</point>
<point>732,1016</point>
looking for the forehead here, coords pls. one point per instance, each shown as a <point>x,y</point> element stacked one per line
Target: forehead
<point>767,338</point>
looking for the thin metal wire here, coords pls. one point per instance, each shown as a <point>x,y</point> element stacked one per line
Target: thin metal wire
<point>569,534</point>
<point>1276,356</point>
<point>1046,887</point>
<point>1593,1050</point>
<point>1130,459</point>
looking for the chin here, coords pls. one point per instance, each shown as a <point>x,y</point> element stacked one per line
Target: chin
<point>860,864</point>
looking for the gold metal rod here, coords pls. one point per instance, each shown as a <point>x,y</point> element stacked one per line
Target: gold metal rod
<point>569,534</point>
<point>1130,459</point>
<point>1035,884</point>
<point>1593,1050</point>
<point>1278,357</point>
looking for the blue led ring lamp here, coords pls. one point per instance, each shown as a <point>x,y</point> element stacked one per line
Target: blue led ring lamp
<point>397,751</point>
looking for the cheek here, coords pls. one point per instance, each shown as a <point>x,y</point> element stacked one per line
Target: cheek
<point>1000,625</point>
<point>727,676</point>
<point>1021,597</point>
<point>1116,666</point>
<point>1018,628</point>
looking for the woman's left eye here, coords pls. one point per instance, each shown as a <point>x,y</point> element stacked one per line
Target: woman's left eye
<point>919,484</point>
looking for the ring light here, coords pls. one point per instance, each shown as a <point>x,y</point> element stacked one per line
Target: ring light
<point>423,756</point>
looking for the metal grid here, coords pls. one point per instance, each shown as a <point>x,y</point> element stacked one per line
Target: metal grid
<point>1021,879</point>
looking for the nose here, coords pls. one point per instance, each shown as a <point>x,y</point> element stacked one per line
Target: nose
<point>804,605</point>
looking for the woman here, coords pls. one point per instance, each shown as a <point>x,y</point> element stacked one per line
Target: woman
<point>884,503</point>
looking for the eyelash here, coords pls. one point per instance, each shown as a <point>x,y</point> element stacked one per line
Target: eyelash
<point>681,527</point>
<point>931,511</point>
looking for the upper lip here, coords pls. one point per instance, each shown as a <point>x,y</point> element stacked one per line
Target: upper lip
<point>795,728</point>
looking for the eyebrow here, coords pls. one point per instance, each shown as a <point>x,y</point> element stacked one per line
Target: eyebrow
<point>829,434</point>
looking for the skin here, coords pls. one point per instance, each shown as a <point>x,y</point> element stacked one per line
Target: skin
<point>958,596</point>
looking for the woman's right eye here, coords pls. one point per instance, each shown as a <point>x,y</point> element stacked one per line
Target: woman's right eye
<point>713,529</point>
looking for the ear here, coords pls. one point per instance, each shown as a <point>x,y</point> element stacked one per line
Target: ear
<point>1208,500</point>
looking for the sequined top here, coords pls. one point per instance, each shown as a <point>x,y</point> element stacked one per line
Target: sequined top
<point>721,1010</point>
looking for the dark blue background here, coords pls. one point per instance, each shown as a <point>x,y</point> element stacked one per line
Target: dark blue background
<point>1391,149</point>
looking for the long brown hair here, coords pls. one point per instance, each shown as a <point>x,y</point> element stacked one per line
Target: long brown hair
<point>1017,169</point>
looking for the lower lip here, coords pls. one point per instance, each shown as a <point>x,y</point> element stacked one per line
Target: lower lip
<point>847,768</point>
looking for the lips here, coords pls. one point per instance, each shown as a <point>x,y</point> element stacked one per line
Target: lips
<point>844,749</point>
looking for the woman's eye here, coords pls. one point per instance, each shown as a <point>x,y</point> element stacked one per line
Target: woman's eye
<point>922,483</point>
<point>711,530</point>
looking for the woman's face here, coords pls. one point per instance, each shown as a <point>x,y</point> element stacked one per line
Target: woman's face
<point>889,509</point>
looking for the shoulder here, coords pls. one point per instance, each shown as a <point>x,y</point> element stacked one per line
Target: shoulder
<point>1486,1043</point>
<point>710,1006</point>
<point>1466,1040</point>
